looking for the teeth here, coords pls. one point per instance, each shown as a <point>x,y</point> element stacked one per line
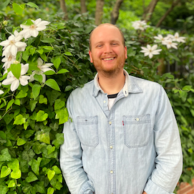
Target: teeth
<point>108,59</point>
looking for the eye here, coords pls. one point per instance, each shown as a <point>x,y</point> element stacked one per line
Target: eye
<point>99,45</point>
<point>114,43</point>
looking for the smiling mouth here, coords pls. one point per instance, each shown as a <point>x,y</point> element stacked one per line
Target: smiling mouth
<point>109,59</point>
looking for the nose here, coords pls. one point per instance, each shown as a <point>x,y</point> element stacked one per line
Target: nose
<point>107,48</point>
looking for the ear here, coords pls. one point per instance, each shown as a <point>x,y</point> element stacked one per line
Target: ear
<point>90,53</point>
<point>125,52</point>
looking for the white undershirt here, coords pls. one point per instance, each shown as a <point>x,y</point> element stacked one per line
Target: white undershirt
<point>110,102</point>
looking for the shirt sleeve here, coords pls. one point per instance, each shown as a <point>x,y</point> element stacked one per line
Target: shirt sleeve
<point>168,161</point>
<point>71,160</point>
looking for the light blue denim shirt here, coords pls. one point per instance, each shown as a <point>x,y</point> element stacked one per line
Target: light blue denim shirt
<point>133,147</point>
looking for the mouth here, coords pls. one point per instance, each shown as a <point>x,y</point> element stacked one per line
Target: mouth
<point>108,59</point>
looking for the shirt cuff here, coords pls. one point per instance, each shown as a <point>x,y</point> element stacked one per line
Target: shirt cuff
<point>152,188</point>
<point>87,188</point>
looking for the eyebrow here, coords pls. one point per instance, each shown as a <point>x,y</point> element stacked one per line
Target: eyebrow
<point>103,42</point>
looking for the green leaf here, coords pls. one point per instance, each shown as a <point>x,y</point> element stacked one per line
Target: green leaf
<point>5,171</point>
<point>16,70</point>
<point>68,54</point>
<point>192,112</point>
<point>36,90</point>
<point>8,118</point>
<point>50,149</point>
<point>4,4</point>
<point>50,190</point>
<point>40,187</point>
<point>31,177</point>
<point>48,40</point>
<point>52,96</point>
<point>20,141</point>
<point>9,104</point>
<point>18,8</point>
<point>17,102</point>
<point>43,137</point>
<point>2,135</point>
<point>59,104</point>
<point>5,156</point>
<point>16,174</point>
<point>3,189</point>
<point>53,84</point>
<point>28,22</point>
<point>62,115</point>
<point>50,72</point>
<point>56,169</point>
<point>187,88</point>
<point>68,88</point>
<point>57,62</point>
<point>32,104</point>
<point>61,71</point>
<point>41,116</point>
<point>35,165</point>
<point>38,78</point>
<point>22,94</point>
<point>32,5</point>
<point>42,99</point>
<point>50,174</point>
<point>14,164</point>
<point>11,183</point>
<point>19,120</point>
<point>47,48</point>
<point>59,140</point>
<point>25,55</point>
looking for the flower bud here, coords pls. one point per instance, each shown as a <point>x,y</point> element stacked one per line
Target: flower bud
<point>16,62</point>
<point>5,22</point>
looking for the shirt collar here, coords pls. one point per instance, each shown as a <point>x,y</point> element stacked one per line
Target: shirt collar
<point>130,85</point>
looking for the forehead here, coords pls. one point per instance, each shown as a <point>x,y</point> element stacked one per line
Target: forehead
<point>105,33</point>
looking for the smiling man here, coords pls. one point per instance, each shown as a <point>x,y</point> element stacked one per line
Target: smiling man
<point>122,137</point>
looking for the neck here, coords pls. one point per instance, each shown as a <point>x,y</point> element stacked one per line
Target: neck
<point>111,84</point>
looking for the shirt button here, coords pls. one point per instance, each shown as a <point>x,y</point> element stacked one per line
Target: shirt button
<point>110,123</point>
<point>137,119</point>
<point>111,172</point>
<point>111,147</point>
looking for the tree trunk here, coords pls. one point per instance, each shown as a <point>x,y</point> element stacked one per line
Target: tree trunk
<point>64,8</point>
<point>83,6</point>
<point>149,10</point>
<point>166,14</point>
<point>115,11</point>
<point>99,12</point>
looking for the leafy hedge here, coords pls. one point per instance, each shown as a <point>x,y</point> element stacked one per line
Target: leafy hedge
<point>32,117</point>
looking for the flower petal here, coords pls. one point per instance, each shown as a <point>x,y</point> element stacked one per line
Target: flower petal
<point>8,80</point>
<point>34,33</point>
<point>24,69</point>
<point>5,43</point>
<point>1,92</point>
<point>41,28</point>
<point>15,85</point>
<point>20,44</point>
<point>24,80</point>
<point>40,62</point>
<point>13,50</point>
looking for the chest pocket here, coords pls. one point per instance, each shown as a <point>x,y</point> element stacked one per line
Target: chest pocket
<point>136,130</point>
<point>87,128</point>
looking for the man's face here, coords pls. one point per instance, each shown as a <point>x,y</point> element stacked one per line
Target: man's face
<point>107,53</point>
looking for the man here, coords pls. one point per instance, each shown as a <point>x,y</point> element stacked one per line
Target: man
<point>122,137</point>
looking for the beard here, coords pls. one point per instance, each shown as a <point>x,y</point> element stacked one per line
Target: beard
<point>109,71</point>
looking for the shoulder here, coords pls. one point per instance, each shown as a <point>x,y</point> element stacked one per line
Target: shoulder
<point>145,85</point>
<point>83,92</point>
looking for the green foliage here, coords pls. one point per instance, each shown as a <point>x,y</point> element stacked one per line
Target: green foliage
<point>31,118</point>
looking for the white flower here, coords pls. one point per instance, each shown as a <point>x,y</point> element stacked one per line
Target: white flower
<point>23,79</point>
<point>177,38</point>
<point>139,25</point>
<point>150,51</point>
<point>13,44</point>
<point>161,38</point>
<point>43,68</point>
<point>1,91</point>
<point>34,29</point>
<point>8,60</point>
<point>170,44</point>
